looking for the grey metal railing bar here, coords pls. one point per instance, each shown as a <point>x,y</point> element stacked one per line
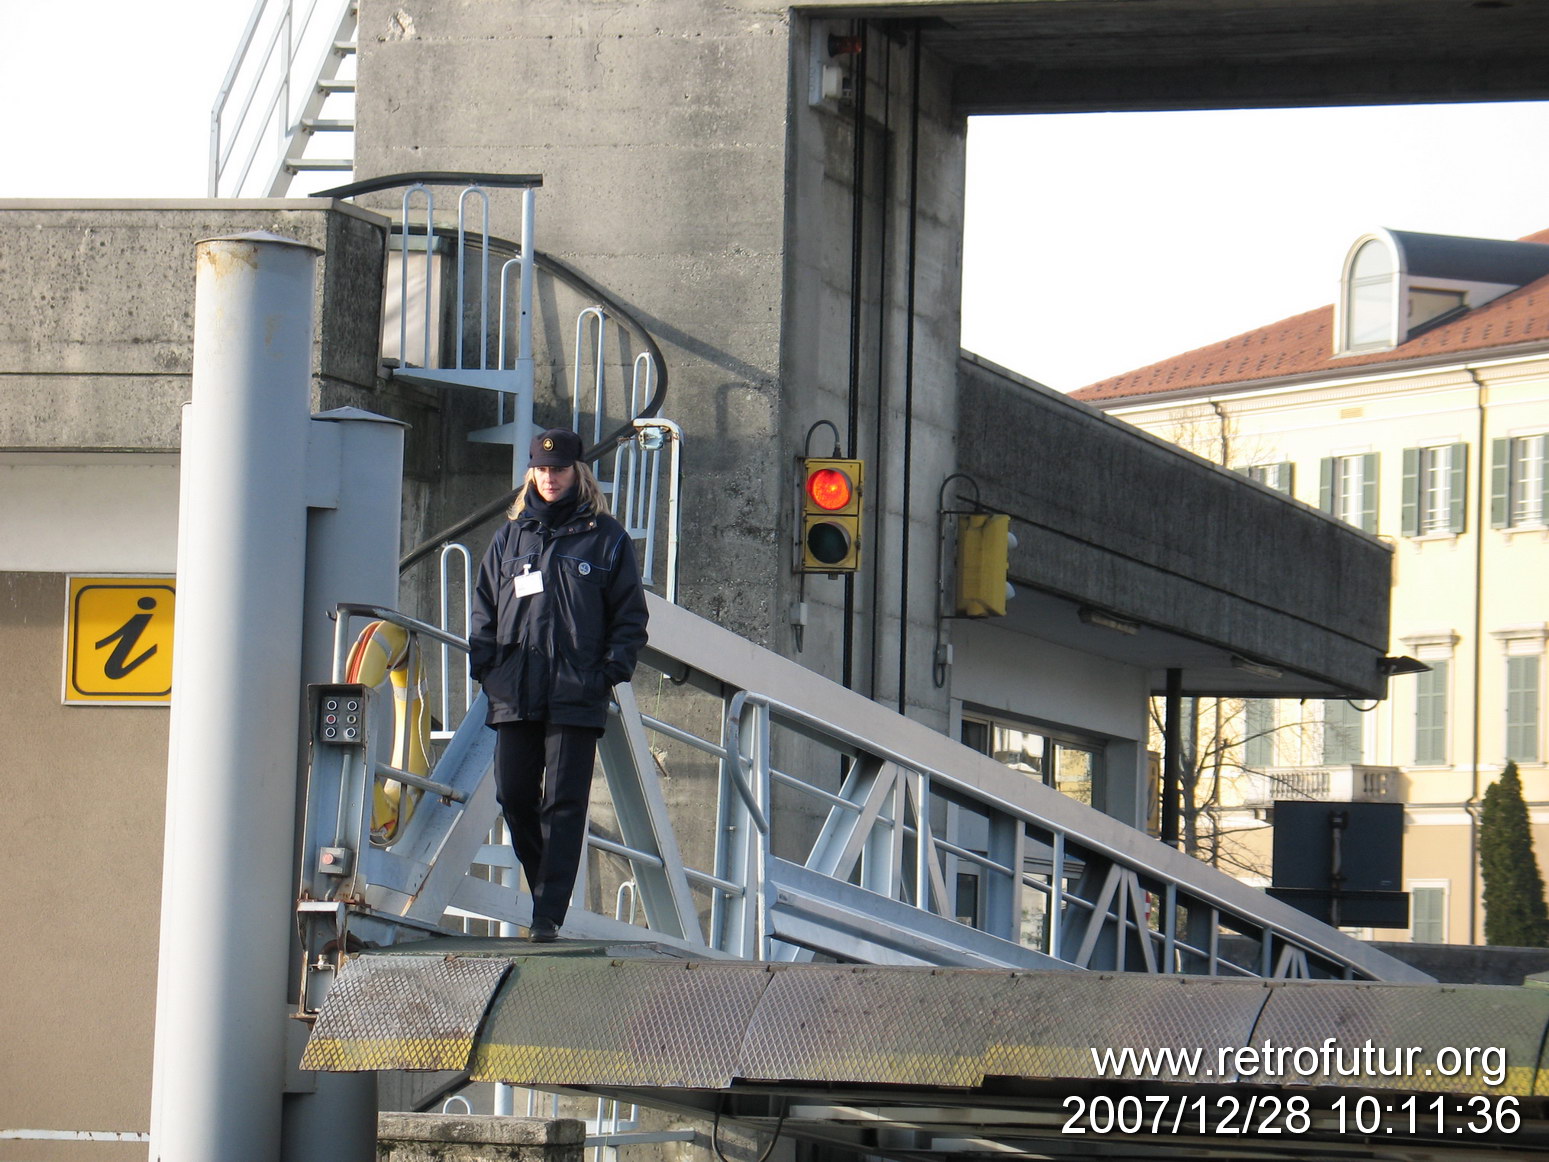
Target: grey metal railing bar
<point>686,737</point>
<point>630,853</point>
<point>422,783</point>
<point>811,724</point>
<point>346,610</point>
<point>403,275</point>
<point>462,261</point>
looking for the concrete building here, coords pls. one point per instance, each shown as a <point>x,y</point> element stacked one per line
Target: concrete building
<point>783,214</point>
<point>1414,408</point>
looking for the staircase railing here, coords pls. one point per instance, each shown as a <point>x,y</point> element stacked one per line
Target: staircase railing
<point>486,341</point>
<point>286,69</point>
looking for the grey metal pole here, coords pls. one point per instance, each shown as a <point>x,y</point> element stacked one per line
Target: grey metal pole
<point>231,781</point>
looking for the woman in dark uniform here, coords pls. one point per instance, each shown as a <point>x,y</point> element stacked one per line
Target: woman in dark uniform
<point>558,620</point>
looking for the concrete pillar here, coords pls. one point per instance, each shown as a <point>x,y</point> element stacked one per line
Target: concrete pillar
<point>231,780</point>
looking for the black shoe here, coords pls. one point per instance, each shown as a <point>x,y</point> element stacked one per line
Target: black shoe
<point>543,932</point>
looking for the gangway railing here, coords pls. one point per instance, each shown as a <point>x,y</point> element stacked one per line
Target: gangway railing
<point>761,811</point>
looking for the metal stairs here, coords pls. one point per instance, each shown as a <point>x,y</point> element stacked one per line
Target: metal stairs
<point>286,106</point>
<point>758,811</point>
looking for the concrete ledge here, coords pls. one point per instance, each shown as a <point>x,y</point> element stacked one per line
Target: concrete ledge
<point>403,1137</point>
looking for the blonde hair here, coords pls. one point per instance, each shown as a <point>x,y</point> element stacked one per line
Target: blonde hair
<point>590,492</point>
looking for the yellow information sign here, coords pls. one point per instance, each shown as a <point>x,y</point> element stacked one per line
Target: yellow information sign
<point>118,644</point>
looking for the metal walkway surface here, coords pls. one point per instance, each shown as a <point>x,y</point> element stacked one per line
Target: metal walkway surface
<point>911,1062</point>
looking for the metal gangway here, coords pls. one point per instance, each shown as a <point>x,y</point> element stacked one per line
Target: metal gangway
<point>752,809</point>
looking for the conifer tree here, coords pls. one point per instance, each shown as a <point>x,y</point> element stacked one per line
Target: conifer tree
<point>1514,909</point>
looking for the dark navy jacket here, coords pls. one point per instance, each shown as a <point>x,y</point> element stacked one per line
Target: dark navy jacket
<point>554,656</point>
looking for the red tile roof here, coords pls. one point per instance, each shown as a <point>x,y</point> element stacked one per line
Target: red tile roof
<point>1303,346</point>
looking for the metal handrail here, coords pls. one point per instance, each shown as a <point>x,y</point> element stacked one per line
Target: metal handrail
<point>347,609</point>
<point>745,765</point>
<point>283,48</point>
<point>1102,902</point>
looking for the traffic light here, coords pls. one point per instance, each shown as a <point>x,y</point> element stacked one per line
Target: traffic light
<point>984,543</point>
<point>831,515</point>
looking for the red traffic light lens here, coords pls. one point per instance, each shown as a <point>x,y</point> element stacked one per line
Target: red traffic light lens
<point>829,489</point>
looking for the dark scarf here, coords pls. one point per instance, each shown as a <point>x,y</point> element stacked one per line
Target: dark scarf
<point>552,514</point>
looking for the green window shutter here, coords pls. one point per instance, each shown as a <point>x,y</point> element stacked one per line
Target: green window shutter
<point>1258,739</point>
<point>1342,733</point>
<point>1500,484</point>
<point>1287,483</point>
<point>1428,922</point>
<point>1369,492</point>
<point>1326,484</point>
<point>1410,520</point>
<point>1543,472</point>
<point>1522,697</point>
<point>1457,486</point>
<point>1431,715</point>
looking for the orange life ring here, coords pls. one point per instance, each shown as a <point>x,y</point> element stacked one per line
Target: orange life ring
<point>385,651</point>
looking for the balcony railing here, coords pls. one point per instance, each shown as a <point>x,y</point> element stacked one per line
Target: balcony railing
<point>1356,783</point>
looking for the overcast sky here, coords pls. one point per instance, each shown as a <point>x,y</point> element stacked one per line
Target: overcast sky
<point>1096,243</point>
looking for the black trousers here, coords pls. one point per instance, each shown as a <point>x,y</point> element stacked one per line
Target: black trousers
<point>543,779</point>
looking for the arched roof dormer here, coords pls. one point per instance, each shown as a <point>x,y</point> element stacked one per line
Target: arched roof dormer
<point>1398,283</point>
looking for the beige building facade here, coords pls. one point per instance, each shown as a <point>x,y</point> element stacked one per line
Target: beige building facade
<point>1428,433</point>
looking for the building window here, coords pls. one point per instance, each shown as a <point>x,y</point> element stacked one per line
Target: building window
<point>1429,307</point>
<point>1067,763</point>
<point>1428,912</point>
<point>1522,703</point>
<point>1435,489</point>
<point>1348,489</point>
<point>1258,738</point>
<point>1519,486</point>
<point>1431,715</point>
<point>1370,293</point>
<point>1281,477</point>
<point>1343,731</point>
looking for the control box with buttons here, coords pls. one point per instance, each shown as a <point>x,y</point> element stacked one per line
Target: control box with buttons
<point>339,714</point>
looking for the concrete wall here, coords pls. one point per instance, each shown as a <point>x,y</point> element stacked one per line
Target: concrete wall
<point>685,172</point>
<point>659,132</point>
<point>478,1138</point>
<point>96,313</point>
<point>894,371</point>
<point>1130,523</point>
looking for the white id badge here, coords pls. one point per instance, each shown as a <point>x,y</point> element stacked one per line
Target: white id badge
<point>526,583</point>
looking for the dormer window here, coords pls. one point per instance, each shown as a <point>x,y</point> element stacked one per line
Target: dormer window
<point>1397,284</point>
<point>1427,306</point>
<point>1371,290</point>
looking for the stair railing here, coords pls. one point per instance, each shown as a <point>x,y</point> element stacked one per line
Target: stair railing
<point>268,96</point>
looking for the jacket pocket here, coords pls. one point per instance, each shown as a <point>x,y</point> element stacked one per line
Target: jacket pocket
<point>503,684</point>
<point>576,687</point>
